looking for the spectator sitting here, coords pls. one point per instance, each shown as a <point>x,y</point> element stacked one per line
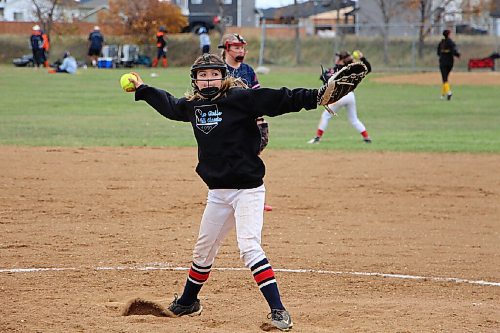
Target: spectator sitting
<point>68,65</point>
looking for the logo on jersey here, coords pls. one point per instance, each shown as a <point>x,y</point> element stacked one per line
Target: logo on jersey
<point>207,117</point>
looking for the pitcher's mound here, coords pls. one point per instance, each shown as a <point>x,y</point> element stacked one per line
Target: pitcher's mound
<point>266,327</point>
<point>142,307</point>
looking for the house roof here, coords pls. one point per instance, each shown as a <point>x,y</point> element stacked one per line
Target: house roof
<point>332,14</point>
<point>91,4</point>
<point>306,9</point>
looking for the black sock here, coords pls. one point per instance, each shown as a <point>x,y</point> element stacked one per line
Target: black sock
<point>196,278</point>
<point>264,276</point>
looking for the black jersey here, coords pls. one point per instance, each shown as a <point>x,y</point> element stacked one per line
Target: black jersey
<point>446,51</point>
<point>36,41</point>
<point>96,40</point>
<point>228,137</point>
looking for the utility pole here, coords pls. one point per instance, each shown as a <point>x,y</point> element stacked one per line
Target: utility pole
<point>222,24</point>
<point>297,33</point>
<point>262,41</point>
<point>262,22</point>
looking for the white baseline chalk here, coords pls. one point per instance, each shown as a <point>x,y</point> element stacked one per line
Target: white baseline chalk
<point>170,267</point>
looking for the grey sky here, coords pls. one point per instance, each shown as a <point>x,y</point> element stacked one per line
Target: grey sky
<point>272,3</point>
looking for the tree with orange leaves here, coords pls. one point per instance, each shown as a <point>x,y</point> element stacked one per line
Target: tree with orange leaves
<point>141,19</point>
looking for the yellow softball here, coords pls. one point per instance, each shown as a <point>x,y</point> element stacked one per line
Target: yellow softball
<point>126,84</point>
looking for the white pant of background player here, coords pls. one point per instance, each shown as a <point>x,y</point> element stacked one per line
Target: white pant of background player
<point>349,102</point>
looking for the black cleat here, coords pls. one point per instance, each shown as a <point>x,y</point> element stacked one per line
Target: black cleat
<point>281,320</point>
<point>183,310</point>
<point>314,140</point>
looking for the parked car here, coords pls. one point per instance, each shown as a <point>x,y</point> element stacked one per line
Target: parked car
<point>467,29</point>
<point>197,20</point>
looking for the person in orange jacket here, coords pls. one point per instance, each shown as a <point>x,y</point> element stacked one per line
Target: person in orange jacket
<point>161,46</point>
<point>45,47</point>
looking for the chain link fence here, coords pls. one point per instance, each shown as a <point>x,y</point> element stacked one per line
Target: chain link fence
<point>389,47</point>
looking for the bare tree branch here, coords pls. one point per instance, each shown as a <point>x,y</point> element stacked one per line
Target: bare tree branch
<point>389,9</point>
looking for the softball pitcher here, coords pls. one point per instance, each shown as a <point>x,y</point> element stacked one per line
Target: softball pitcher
<point>348,101</point>
<point>222,114</point>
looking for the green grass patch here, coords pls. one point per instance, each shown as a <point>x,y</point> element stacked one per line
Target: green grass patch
<point>90,109</point>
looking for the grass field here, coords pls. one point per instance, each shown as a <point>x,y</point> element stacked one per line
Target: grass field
<point>363,238</point>
<point>90,109</point>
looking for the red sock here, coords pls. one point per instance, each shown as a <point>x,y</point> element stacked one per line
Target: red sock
<point>364,134</point>
<point>319,133</point>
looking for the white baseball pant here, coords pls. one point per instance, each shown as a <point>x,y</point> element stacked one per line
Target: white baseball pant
<point>225,209</point>
<point>349,101</point>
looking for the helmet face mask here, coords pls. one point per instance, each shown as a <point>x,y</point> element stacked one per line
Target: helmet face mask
<point>232,39</point>
<point>239,58</point>
<point>229,40</point>
<point>204,63</point>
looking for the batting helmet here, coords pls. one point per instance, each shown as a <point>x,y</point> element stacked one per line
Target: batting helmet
<point>231,39</point>
<point>208,61</point>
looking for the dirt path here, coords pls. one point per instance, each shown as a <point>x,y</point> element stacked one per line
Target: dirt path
<point>481,77</point>
<point>103,215</point>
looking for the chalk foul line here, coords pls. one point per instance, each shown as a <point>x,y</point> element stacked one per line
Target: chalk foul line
<point>170,267</point>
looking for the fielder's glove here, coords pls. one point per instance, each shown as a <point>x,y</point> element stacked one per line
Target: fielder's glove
<point>264,133</point>
<point>342,83</point>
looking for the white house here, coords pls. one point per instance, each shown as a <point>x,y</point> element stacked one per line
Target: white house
<point>24,11</point>
<point>16,10</point>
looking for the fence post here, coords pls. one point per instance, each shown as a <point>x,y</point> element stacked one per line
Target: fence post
<point>297,33</point>
<point>262,42</point>
<point>414,49</point>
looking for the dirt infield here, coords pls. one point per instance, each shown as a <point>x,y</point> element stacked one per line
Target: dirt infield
<point>112,224</point>
<point>482,77</point>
